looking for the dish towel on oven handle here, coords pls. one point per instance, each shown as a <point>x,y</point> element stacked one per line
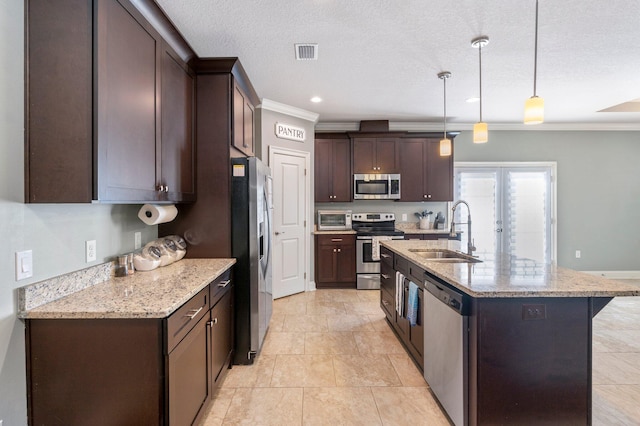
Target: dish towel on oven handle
<point>412,309</point>
<point>375,247</point>
<point>399,293</point>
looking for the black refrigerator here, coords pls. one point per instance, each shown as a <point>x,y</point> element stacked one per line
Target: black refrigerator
<point>251,230</point>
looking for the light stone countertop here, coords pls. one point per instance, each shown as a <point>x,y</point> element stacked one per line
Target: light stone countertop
<point>506,276</point>
<point>412,228</point>
<point>150,294</point>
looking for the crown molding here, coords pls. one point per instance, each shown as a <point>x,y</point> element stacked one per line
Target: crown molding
<point>341,126</point>
<point>289,110</point>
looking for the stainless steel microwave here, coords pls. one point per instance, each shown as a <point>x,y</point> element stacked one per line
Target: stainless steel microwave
<point>334,220</point>
<point>376,186</point>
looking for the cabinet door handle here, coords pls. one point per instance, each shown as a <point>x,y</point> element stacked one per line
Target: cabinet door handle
<point>385,276</point>
<point>336,240</point>
<point>215,320</point>
<point>386,256</point>
<point>223,284</point>
<point>166,188</point>
<point>385,303</point>
<point>339,250</point>
<point>334,250</point>
<point>161,188</point>
<point>194,313</point>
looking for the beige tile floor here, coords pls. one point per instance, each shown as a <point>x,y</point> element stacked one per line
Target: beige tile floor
<point>329,358</point>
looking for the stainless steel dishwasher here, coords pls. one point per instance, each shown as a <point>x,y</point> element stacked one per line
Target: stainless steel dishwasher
<point>446,347</point>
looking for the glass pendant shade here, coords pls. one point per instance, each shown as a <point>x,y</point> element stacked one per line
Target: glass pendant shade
<point>534,110</point>
<point>480,132</point>
<point>445,147</point>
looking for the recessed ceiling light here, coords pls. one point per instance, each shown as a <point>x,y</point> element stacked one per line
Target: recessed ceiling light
<point>472,100</point>
<point>316,99</point>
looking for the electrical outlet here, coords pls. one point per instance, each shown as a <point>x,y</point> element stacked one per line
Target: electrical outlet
<point>137,240</point>
<point>578,254</point>
<point>24,265</point>
<point>534,312</point>
<point>90,250</point>
<point>404,217</point>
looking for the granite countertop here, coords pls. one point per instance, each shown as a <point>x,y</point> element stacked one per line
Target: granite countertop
<point>503,275</point>
<point>150,294</point>
<point>412,228</point>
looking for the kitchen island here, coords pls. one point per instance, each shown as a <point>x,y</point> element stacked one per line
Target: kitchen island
<point>527,334</point>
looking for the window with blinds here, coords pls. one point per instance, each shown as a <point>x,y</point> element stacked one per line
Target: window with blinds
<point>511,209</point>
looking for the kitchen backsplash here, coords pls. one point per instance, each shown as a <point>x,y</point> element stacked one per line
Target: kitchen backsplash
<point>387,206</point>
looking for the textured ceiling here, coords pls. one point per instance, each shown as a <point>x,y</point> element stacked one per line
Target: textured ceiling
<point>379,59</point>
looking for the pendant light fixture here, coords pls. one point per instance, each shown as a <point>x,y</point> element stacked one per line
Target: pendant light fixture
<point>480,129</point>
<point>445,143</point>
<point>534,106</point>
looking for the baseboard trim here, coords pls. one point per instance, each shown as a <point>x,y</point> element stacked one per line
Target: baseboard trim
<point>619,275</point>
<point>311,286</point>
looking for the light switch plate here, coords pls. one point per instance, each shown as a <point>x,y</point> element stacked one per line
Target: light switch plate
<point>90,250</point>
<point>24,265</point>
<point>137,240</point>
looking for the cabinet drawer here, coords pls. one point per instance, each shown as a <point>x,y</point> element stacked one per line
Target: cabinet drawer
<point>386,256</point>
<point>218,287</point>
<point>336,239</point>
<point>387,303</point>
<point>183,320</point>
<point>387,278</point>
<point>413,236</point>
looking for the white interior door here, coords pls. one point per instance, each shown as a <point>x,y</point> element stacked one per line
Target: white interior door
<point>290,247</point>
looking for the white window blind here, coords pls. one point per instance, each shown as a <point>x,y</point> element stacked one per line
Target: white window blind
<point>511,208</point>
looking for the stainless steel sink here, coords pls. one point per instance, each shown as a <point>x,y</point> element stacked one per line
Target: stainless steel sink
<point>443,256</point>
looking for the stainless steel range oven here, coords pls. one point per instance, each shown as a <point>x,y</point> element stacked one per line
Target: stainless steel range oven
<point>371,228</point>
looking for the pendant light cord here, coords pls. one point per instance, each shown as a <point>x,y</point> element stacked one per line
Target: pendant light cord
<point>480,66</point>
<point>445,107</point>
<point>535,55</point>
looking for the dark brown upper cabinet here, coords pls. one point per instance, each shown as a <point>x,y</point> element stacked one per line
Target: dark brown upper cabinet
<point>375,154</point>
<point>109,107</point>
<point>426,176</point>
<point>332,168</point>
<point>243,121</point>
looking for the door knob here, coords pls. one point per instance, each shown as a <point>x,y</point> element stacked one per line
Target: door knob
<point>278,233</point>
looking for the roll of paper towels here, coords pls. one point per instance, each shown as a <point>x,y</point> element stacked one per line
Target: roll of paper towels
<point>153,215</point>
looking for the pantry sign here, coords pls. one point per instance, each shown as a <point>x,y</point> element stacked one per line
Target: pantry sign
<point>285,131</point>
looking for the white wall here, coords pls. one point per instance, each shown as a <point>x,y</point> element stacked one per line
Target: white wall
<point>271,113</point>
<point>55,233</point>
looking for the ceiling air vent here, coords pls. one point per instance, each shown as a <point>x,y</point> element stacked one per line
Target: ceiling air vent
<point>306,51</point>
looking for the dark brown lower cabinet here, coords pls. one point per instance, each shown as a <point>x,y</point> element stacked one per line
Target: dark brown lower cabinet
<point>156,371</point>
<point>221,338</point>
<point>188,381</point>
<point>335,261</point>
<point>412,337</point>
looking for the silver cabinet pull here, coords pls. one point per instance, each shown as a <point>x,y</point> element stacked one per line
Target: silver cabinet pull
<point>336,240</point>
<point>386,256</point>
<point>194,312</point>
<point>335,250</point>
<point>386,277</point>
<point>215,320</point>
<point>166,188</point>
<point>223,284</point>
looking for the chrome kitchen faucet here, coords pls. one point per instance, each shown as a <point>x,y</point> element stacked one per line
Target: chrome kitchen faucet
<point>452,232</point>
